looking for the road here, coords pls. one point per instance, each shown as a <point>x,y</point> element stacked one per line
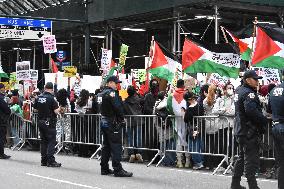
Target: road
<point>23,171</point>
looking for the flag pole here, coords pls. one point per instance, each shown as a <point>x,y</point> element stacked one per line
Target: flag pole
<point>151,53</point>
<point>224,34</point>
<point>253,38</point>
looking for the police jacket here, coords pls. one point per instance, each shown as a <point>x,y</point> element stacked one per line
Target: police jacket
<point>249,117</point>
<point>276,103</point>
<point>4,111</point>
<point>111,104</point>
<point>46,104</point>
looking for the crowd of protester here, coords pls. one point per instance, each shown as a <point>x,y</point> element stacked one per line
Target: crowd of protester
<point>181,133</point>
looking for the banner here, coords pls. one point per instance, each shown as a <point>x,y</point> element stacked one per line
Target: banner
<point>123,54</point>
<point>70,71</point>
<point>23,70</point>
<point>49,44</point>
<point>218,80</point>
<point>269,75</point>
<point>34,74</point>
<point>106,59</point>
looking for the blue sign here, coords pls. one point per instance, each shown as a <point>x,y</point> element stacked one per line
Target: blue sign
<point>61,56</point>
<point>25,22</point>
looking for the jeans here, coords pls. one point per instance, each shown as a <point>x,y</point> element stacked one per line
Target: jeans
<point>196,145</point>
<point>134,139</point>
<point>2,139</point>
<point>170,157</point>
<point>278,136</point>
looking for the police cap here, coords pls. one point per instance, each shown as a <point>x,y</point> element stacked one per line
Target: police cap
<point>114,79</point>
<point>49,85</point>
<point>251,74</point>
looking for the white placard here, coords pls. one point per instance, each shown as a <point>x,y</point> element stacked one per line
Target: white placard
<point>23,70</point>
<point>106,59</point>
<point>218,80</point>
<point>49,44</point>
<point>269,75</point>
<point>34,74</point>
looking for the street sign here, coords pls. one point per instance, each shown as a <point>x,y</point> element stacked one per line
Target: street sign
<point>16,28</point>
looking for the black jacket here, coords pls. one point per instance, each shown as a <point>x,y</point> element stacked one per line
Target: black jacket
<point>4,112</point>
<point>249,117</point>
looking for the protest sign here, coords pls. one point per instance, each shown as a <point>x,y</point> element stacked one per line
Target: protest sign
<point>34,74</point>
<point>23,70</point>
<point>70,71</point>
<point>123,53</point>
<point>49,44</point>
<point>269,75</point>
<point>106,59</point>
<point>218,80</point>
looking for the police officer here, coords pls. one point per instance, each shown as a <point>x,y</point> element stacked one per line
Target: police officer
<point>250,124</point>
<point>4,121</point>
<point>111,126</point>
<point>276,102</point>
<point>48,109</point>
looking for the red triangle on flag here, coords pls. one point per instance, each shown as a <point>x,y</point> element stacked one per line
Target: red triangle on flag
<point>112,64</point>
<point>53,66</point>
<point>264,48</point>
<point>159,58</point>
<point>190,54</point>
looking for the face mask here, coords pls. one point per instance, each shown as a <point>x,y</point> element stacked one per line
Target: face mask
<point>230,92</point>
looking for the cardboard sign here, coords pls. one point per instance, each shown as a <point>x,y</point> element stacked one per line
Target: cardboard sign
<point>70,71</point>
<point>49,44</point>
<point>106,59</point>
<point>23,70</point>
<point>269,75</point>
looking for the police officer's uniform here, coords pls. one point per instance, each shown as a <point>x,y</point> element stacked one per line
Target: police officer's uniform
<point>276,103</point>
<point>111,126</point>
<point>4,121</point>
<point>46,104</point>
<point>250,124</point>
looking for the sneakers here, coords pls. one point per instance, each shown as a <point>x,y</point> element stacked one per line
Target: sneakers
<point>4,156</point>
<point>43,163</point>
<point>132,159</point>
<point>179,164</point>
<point>106,172</point>
<point>139,158</point>
<point>123,173</point>
<point>198,166</point>
<point>54,164</point>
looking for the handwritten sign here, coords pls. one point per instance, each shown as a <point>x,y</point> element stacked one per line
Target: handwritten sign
<point>123,53</point>
<point>218,80</point>
<point>49,44</point>
<point>269,75</point>
<point>70,71</point>
<point>23,70</point>
<point>106,59</point>
<point>34,74</point>
<point>227,59</point>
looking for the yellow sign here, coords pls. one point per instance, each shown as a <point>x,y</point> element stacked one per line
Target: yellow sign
<point>123,94</point>
<point>7,85</point>
<point>70,71</point>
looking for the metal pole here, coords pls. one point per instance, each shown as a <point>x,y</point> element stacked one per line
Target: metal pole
<point>18,53</point>
<point>281,20</point>
<point>178,36</point>
<point>110,45</point>
<point>175,37</point>
<point>34,63</point>
<point>107,40</point>
<point>71,51</point>
<point>87,44</point>
<point>216,25</point>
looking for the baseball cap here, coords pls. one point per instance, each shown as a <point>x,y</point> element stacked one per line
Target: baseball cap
<point>49,85</point>
<point>2,86</point>
<point>114,79</point>
<point>251,74</point>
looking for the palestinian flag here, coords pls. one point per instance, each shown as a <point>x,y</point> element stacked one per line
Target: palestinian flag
<point>221,59</point>
<point>269,47</point>
<point>2,73</point>
<point>54,68</point>
<point>243,39</point>
<point>113,68</point>
<point>163,64</point>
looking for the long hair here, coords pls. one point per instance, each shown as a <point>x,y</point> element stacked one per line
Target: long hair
<point>211,95</point>
<point>83,98</point>
<point>61,97</point>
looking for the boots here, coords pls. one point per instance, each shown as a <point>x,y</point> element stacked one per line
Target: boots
<point>252,184</point>
<point>236,183</point>
<point>122,173</point>
<point>139,158</point>
<point>132,159</point>
<point>106,172</point>
<point>53,164</point>
<point>187,162</point>
<point>179,163</point>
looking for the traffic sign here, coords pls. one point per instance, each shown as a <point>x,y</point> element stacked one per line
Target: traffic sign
<point>16,28</point>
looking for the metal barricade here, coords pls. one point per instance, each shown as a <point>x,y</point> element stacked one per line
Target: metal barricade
<point>205,136</point>
<point>266,147</point>
<point>17,125</point>
<point>77,128</point>
<point>141,133</point>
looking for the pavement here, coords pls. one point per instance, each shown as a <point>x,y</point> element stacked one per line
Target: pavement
<point>23,171</point>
